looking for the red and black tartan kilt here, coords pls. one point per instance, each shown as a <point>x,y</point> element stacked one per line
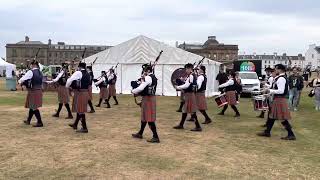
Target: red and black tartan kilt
<point>80,101</point>
<point>148,109</point>
<point>103,93</point>
<point>112,90</point>
<point>279,109</point>
<point>90,92</point>
<point>201,101</point>
<point>231,97</point>
<point>63,94</point>
<point>34,99</point>
<point>190,103</point>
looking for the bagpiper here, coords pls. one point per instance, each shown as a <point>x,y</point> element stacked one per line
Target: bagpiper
<point>279,107</point>
<point>89,70</point>
<point>33,82</point>
<point>63,91</point>
<point>80,82</point>
<point>112,79</point>
<point>147,89</point>
<point>102,84</point>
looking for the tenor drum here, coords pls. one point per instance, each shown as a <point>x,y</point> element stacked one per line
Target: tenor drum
<point>260,103</point>
<point>221,100</point>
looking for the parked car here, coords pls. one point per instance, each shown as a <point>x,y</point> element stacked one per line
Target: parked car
<point>250,81</point>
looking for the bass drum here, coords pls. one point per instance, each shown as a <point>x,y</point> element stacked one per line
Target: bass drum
<point>176,75</point>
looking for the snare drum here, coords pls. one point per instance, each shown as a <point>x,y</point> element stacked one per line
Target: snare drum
<point>260,103</point>
<point>255,93</point>
<point>221,100</point>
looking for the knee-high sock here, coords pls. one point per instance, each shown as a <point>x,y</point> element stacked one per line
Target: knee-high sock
<point>38,116</point>
<point>143,125</point>
<point>225,107</point>
<point>288,127</point>
<point>183,118</point>
<point>109,98</point>
<point>100,100</point>
<point>75,124</point>
<point>204,113</point>
<point>31,113</point>
<point>83,121</point>
<point>235,109</point>
<point>152,126</point>
<point>90,104</point>
<point>115,99</point>
<point>59,108</point>
<point>181,105</point>
<point>269,123</point>
<point>68,109</point>
<point>196,122</point>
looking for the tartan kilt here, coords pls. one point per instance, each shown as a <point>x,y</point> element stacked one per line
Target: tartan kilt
<point>201,101</point>
<point>148,109</point>
<point>231,97</point>
<point>103,93</point>
<point>34,99</point>
<point>112,90</point>
<point>190,103</point>
<point>63,94</point>
<point>279,109</point>
<point>80,101</point>
<point>90,92</point>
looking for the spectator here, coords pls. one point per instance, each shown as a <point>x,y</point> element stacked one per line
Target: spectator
<point>295,87</point>
<point>222,78</point>
<point>316,85</point>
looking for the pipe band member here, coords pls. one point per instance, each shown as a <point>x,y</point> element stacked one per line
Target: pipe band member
<point>200,95</point>
<point>279,108</point>
<point>89,69</point>
<point>230,88</point>
<point>33,82</point>
<point>190,105</point>
<point>112,79</point>
<point>80,82</point>
<point>102,84</point>
<point>147,89</point>
<point>63,91</point>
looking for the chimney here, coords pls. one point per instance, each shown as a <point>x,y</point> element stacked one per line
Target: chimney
<point>49,42</point>
<point>26,39</point>
<point>211,37</point>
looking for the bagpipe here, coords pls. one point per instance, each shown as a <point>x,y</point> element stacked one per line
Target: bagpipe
<point>28,83</point>
<point>106,82</point>
<point>136,83</point>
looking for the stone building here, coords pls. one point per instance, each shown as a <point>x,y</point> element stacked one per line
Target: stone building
<point>214,50</point>
<point>50,54</point>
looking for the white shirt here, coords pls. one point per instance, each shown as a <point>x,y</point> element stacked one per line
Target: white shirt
<point>281,84</point>
<point>200,80</point>
<point>102,79</point>
<point>27,76</point>
<point>59,76</point>
<point>75,76</point>
<point>186,84</point>
<point>147,82</point>
<point>110,77</point>
<point>230,82</point>
<point>270,82</point>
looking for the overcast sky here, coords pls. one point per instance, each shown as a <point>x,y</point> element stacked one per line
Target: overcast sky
<point>261,26</point>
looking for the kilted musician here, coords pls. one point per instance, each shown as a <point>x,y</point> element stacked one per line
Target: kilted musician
<point>112,79</point>
<point>33,82</point>
<point>279,107</point>
<point>190,105</point>
<point>80,82</point>
<point>147,89</point>
<point>200,95</point>
<point>63,91</point>
<point>102,84</point>
<point>89,70</point>
<point>268,83</point>
<point>230,90</point>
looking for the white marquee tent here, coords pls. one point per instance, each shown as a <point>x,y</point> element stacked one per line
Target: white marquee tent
<point>133,53</point>
<point>7,67</point>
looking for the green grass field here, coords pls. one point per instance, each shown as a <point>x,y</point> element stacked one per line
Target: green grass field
<point>226,149</point>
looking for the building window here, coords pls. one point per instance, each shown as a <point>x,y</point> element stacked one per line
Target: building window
<point>14,53</point>
<point>265,62</point>
<point>265,66</point>
<point>49,54</point>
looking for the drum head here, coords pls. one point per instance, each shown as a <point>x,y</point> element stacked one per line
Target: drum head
<point>177,74</point>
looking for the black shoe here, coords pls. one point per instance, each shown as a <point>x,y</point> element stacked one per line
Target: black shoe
<point>179,110</point>
<point>154,140</point>
<point>221,114</point>
<point>116,104</point>
<point>55,115</point>
<point>264,134</point>
<point>92,111</point>
<point>98,105</point>
<point>191,120</point>
<point>73,126</point>
<point>289,138</point>
<point>178,127</point>
<point>137,136</point>
<point>108,107</point>
<point>26,122</point>
<point>207,121</point>
<point>38,125</point>
<point>82,131</point>
<point>196,129</point>
<point>69,117</point>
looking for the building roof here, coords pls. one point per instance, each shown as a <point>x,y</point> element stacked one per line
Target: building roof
<point>271,57</point>
<point>30,42</point>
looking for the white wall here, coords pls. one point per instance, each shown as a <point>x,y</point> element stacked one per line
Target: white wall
<point>312,57</point>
